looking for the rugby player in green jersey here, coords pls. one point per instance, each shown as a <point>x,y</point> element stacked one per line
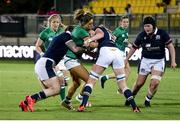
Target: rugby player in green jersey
<point>80,34</point>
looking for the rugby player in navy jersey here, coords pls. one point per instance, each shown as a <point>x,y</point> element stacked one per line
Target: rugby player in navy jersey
<point>109,54</point>
<point>153,42</point>
<point>44,68</point>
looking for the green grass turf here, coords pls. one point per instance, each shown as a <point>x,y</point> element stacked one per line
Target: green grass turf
<point>17,79</point>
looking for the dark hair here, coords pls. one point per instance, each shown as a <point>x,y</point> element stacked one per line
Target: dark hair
<point>70,28</point>
<point>124,17</point>
<point>82,17</point>
<point>149,20</point>
<point>129,5</point>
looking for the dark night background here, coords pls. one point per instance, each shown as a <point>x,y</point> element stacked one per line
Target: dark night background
<point>40,6</point>
<point>25,6</point>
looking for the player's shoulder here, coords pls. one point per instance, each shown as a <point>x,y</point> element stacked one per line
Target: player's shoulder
<point>78,29</point>
<point>119,30</point>
<point>161,31</point>
<point>141,34</point>
<point>45,31</point>
<point>64,35</point>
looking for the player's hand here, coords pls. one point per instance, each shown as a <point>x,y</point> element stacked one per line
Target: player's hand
<point>86,44</point>
<point>91,33</point>
<point>173,65</point>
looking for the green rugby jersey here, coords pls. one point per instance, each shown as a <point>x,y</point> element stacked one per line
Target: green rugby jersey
<point>47,36</point>
<point>78,34</point>
<point>122,38</point>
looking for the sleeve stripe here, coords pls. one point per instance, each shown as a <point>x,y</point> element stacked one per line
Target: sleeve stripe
<point>68,41</point>
<point>135,46</point>
<point>168,42</point>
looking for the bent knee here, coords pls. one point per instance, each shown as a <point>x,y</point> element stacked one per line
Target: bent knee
<point>155,83</point>
<point>139,84</point>
<point>156,77</point>
<point>55,89</point>
<point>76,84</point>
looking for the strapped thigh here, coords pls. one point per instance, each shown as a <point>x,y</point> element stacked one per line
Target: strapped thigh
<point>156,77</point>
<point>94,75</point>
<point>120,77</point>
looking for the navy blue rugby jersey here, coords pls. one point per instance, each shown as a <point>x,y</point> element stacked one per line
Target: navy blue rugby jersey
<point>153,46</point>
<point>58,48</point>
<point>106,41</point>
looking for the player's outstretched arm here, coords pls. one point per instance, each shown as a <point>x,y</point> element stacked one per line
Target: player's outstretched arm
<point>72,46</point>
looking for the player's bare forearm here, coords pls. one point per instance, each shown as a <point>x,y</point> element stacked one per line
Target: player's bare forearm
<point>72,46</point>
<point>172,54</point>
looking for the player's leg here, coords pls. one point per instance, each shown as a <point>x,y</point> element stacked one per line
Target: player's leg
<point>62,89</point>
<point>127,69</point>
<point>72,89</point>
<point>64,70</point>
<point>119,71</point>
<point>44,70</point>
<point>62,92</point>
<point>78,72</point>
<point>143,71</point>
<point>121,82</point>
<point>157,70</point>
<point>60,73</point>
<point>66,76</point>
<point>155,81</point>
<point>104,78</point>
<point>23,104</point>
<point>93,77</point>
<point>52,89</point>
<point>137,86</point>
<point>72,65</point>
<point>82,73</point>
<point>105,58</point>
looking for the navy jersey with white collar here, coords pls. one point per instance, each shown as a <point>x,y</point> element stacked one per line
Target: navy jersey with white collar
<point>153,46</point>
<point>106,41</point>
<point>58,48</point>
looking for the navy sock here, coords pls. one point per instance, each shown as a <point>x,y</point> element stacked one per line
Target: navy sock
<point>134,94</point>
<point>148,98</point>
<point>129,97</point>
<point>87,91</point>
<point>38,96</point>
<point>67,99</point>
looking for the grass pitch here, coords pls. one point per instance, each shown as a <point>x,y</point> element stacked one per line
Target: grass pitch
<point>17,79</point>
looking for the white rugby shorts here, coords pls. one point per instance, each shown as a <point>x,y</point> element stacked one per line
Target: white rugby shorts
<point>61,65</point>
<point>71,63</point>
<point>110,55</point>
<point>44,68</point>
<point>146,65</point>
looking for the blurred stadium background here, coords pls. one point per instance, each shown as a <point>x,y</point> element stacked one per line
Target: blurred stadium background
<point>20,26</point>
